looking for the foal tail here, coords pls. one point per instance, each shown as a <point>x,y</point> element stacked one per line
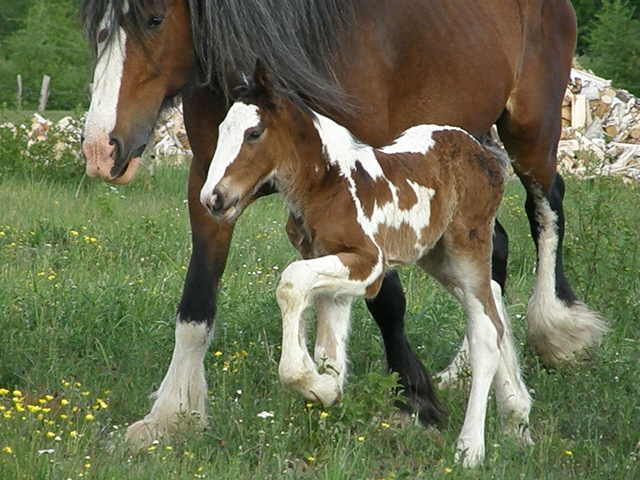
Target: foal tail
<point>497,152</point>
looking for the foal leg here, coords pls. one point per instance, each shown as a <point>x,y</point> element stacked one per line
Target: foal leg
<point>333,315</point>
<point>452,376</point>
<point>512,397</point>
<point>463,270</point>
<point>300,282</point>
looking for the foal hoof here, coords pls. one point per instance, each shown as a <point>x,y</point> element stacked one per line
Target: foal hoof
<point>326,391</point>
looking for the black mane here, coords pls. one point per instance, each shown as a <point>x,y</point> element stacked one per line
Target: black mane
<point>93,12</point>
<point>298,40</point>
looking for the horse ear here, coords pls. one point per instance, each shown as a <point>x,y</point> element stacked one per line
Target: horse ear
<point>262,81</point>
<point>231,82</point>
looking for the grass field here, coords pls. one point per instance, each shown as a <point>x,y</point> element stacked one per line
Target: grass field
<point>91,277</point>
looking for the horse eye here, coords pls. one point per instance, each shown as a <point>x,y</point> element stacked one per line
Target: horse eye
<point>155,21</point>
<point>102,35</point>
<point>253,135</point>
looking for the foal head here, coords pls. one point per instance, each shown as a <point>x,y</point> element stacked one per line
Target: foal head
<point>260,141</point>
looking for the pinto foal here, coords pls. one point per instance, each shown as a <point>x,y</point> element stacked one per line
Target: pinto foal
<point>428,198</point>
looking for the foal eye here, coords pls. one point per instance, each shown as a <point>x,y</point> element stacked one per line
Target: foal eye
<point>155,21</point>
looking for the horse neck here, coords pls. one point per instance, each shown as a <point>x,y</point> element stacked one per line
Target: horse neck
<point>309,168</point>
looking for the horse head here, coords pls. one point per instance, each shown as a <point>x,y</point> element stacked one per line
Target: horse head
<point>253,141</point>
<point>145,55</point>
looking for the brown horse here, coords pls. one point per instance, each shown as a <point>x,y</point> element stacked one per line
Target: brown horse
<point>428,198</point>
<point>376,66</point>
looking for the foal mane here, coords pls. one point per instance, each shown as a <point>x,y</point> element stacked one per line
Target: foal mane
<point>249,92</point>
<point>299,41</point>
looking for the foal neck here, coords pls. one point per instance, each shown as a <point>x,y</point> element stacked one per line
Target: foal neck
<point>344,150</point>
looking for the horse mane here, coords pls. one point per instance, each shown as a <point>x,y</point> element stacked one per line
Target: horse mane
<point>299,41</point>
<point>93,12</point>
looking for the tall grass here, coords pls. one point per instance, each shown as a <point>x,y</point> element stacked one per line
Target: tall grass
<point>90,279</point>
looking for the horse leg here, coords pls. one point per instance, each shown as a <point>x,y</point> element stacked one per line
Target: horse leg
<point>559,324</point>
<point>512,397</point>
<point>452,376</point>
<point>300,282</point>
<point>463,277</point>
<point>460,264</point>
<point>388,309</point>
<point>183,391</point>
<point>333,314</point>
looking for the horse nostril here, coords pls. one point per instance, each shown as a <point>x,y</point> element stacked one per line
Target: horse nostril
<point>118,147</point>
<point>217,201</point>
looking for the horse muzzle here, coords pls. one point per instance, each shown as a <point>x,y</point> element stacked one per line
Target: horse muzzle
<point>108,159</point>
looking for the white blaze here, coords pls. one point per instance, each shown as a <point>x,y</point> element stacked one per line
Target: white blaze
<point>107,79</point>
<point>230,138</point>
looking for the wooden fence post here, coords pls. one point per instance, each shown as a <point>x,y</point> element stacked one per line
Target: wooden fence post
<point>44,93</point>
<point>19,97</point>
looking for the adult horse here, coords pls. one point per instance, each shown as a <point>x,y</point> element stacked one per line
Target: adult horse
<point>377,67</point>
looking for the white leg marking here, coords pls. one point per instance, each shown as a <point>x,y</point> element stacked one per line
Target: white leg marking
<point>453,376</point>
<point>183,390</point>
<point>557,331</point>
<point>484,356</point>
<point>512,396</point>
<point>333,330</point>
<point>299,283</point>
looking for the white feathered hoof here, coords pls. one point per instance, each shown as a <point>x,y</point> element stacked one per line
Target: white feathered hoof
<point>325,390</point>
<point>558,333</point>
<point>143,433</point>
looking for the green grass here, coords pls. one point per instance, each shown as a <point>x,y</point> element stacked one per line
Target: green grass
<point>91,277</point>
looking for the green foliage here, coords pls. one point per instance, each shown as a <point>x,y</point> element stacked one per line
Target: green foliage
<point>614,45</point>
<point>13,14</point>
<point>586,11</point>
<point>50,42</point>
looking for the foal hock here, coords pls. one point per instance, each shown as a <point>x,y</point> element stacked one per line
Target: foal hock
<point>429,198</point>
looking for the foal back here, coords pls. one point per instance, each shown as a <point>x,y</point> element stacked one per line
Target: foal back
<point>445,179</point>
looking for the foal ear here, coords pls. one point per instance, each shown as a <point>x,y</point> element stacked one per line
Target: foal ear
<point>262,82</point>
<point>232,82</point>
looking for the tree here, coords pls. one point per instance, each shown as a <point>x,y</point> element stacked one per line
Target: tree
<point>614,45</point>
<point>586,11</point>
<point>50,43</point>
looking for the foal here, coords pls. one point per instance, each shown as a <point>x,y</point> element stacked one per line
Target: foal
<point>429,198</point>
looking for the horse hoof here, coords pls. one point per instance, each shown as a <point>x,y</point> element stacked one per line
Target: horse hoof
<point>326,390</point>
<point>142,434</point>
